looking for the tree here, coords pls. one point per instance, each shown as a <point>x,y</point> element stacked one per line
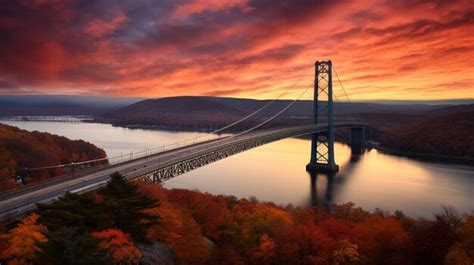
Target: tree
<point>119,246</point>
<point>208,210</point>
<point>126,207</point>
<point>7,170</point>
<point>265,252</point>
<point>66,246</point>
<point>381,240</point>
<point>22,241</point>
<point>431,241</point>
<point>346,253</point>
<point>72,210</point>
<point>462,252</point>
<point>181,233</point>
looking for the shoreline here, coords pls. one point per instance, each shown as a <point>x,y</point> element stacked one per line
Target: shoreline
<point>425,157</point>
<point>443,159</point>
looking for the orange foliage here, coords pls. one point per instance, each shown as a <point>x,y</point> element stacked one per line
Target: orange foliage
<point>119,245</point>
<point>20,149</point>
<point>265,253</point>
<point>180,232</point>
<point>208,210</point>
<point>462,252</point>
<point>247,232</point>
<point>380,239</point>
<point>22,241</point>
<point>346,253</point>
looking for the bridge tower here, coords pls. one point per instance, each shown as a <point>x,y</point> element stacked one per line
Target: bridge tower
<point>322,144</point>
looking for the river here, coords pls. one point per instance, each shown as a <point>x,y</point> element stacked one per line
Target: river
<point>276,172</point>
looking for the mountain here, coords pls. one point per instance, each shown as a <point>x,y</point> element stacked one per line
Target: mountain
<point>196,112</point>
<point>41,105</point>
<point>451,109</point>
<point>207,113</point>
<point>449,135</point>
<point>183,112</point>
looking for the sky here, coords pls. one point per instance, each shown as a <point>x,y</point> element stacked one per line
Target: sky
<point>381,49</point>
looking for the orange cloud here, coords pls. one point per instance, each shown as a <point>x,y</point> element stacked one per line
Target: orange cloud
<point>382,49</point>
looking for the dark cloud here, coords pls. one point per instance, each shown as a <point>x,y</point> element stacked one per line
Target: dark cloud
<point>7,85</point>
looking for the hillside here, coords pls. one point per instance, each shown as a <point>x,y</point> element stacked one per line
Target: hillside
<point>214,112</point>
<point>451,109</point>
<point>39,105</point>
<point>443,135</point>
<point>20,149</point>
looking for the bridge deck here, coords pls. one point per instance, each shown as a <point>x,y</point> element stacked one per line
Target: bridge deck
<point>157,167</point>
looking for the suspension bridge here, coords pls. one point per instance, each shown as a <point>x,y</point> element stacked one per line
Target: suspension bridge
<point>157,165</point>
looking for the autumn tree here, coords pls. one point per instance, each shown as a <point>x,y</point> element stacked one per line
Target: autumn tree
<point>381,240</point>
<point>265,253</point>
<point>180,232</point>
<point>119,246</point>
<point>208,210</point>
<point>22,240</point>
<point>346,253</point>
<point>462,251</point>
<point>126,207</point>
<point>67,245</point>
<point>251,221</point>
<point>225,255</point>
<point>7,170</point>
<point>431,241</point>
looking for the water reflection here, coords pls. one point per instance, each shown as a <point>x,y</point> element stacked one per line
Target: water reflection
<point>326,181</point>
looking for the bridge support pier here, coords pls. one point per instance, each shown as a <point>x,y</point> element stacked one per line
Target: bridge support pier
<point>322,144</point>
<point>357,140</point>
<point>357,136</point>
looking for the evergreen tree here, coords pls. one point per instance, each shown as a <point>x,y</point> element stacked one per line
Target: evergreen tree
<point>67,246</point>
<point>72,210</point>
<point>126,207</point>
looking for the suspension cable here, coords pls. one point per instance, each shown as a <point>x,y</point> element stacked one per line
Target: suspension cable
<point>339,80</point>
<point>262,108</point>
<point>345,93</point>
<point>274,116</point>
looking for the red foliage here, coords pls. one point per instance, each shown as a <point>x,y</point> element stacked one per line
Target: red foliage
<point>21,241</point>
<point>20,149</point>
<point>119,245</point>
<point>248,232</point>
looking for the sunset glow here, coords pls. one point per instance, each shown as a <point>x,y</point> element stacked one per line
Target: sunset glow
<point>382,49</point>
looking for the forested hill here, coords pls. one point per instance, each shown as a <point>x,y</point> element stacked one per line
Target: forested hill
<point>196,112</point>
<point>20,149</point>
<point>450,134</point>
<point>57,105</point>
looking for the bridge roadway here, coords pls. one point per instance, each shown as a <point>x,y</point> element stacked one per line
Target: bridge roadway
<point>157,167</point>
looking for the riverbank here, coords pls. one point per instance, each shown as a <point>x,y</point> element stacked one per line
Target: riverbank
<point>445,159</point>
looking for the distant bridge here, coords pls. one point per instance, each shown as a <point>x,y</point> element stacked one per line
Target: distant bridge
<point>161,166</point>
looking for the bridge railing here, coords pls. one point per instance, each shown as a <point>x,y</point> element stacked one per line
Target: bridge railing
<point>80,169</point>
